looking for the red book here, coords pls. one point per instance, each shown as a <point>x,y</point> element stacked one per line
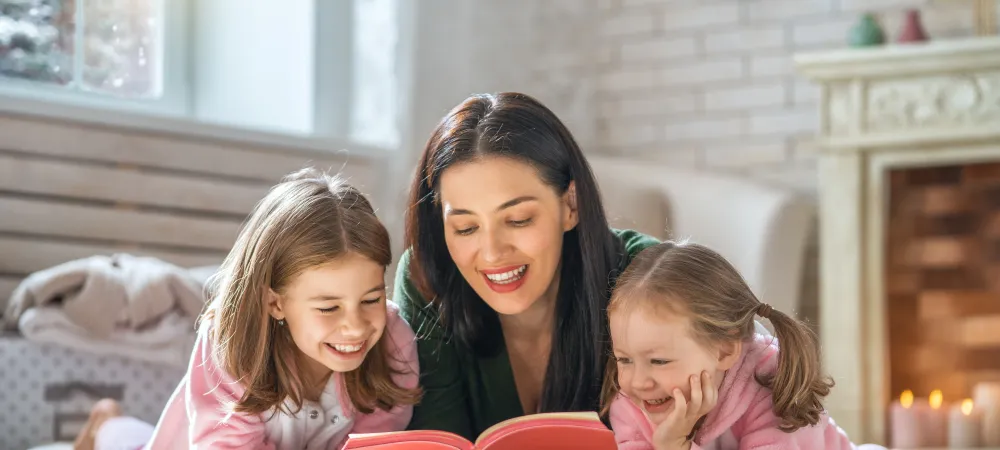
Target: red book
<point>548,431</point>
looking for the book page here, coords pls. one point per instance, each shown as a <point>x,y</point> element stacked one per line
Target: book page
<point>583,416</point>
<point>409,440</point>
<point>412,445</point>
<point>551,434</point>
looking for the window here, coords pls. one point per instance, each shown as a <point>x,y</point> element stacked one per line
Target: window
<point>106,52</point>
<point>117,51</point>
<point>376,106</point>
<point>315,68</point>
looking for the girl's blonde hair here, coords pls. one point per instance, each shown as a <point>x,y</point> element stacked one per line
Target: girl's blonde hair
<point>695,281</point>
<point>309,219</point>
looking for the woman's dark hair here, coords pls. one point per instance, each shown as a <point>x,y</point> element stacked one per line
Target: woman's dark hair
<point>517,126</point>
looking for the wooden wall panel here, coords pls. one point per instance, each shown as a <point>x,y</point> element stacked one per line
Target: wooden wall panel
<point>73,190</point>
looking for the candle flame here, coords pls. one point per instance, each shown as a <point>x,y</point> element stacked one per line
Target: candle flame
<point>906,398</point>
<point>967,406</point>
<point>936,398</point>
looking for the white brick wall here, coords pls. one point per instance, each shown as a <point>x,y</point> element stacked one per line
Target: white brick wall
<point>770,64</point>
<point>627,23</point>
<point>715,77</point>
<point>701,72</point>
<point>701,15</point>
<point>821,31</point>
<point>745,39</point>
<point>745,152</point>
<point>704,128</point>
<point>657,48</point>
<point>783,11</point>
<point>650,104</point>
<point>746,96</point>
<point>805,93</point>
<point>788,122</point>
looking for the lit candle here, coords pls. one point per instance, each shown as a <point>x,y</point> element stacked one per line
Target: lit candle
<point>906,430</point>
<point>964,426</point>
<point>986,397</point>
<point>935,421</point>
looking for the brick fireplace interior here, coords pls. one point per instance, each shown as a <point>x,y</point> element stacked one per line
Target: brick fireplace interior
<point>943,278</point>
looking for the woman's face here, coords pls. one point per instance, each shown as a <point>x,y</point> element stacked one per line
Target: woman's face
<point>504,229</point>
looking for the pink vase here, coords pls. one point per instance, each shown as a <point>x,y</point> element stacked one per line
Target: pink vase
<point>912,30</point>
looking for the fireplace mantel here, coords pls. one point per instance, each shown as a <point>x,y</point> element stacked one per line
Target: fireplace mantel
<point>883,108</point>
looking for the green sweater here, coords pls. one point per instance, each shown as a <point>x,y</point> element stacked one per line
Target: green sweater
<point>462,392</point>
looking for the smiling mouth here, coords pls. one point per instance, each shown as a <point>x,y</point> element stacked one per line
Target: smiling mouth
<point>508,277</point>
<point>656,405</point>
<point>347,349</point>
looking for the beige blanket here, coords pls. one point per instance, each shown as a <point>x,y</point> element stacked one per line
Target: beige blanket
<point>104,294</point>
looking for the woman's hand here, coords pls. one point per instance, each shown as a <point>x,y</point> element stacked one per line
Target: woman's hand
<point>672,433</point>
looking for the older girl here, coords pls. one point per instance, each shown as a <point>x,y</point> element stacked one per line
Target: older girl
<point>299,346</point>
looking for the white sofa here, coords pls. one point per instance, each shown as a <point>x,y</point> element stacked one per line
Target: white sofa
<point>760,228</point>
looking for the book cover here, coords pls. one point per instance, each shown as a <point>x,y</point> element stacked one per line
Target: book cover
<point>550,431</point>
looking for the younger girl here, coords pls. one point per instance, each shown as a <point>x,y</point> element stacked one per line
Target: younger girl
<point>689,372</point>
<point>298,346</point>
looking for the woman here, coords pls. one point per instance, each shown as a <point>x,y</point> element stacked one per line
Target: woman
<point>509,265</point>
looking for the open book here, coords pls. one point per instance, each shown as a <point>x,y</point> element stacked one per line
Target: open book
<point>549,431</point>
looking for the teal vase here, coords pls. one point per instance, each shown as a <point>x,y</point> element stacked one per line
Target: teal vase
<point>866,33</point>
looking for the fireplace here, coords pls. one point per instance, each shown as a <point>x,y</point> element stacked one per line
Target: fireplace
<point>909,194</point>
<point>942,278</point>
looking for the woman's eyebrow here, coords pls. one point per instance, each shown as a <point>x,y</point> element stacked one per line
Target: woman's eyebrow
<point>505,205</point>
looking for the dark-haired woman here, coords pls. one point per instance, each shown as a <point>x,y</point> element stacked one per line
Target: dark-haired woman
<point>509,266</point>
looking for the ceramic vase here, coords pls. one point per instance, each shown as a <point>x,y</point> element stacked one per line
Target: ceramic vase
<point>913,29</point>
<point>867,32</point>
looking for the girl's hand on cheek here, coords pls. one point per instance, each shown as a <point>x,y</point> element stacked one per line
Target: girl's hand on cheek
<point>672,433</point>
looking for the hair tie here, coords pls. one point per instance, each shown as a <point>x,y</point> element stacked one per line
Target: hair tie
<point>764,310</point>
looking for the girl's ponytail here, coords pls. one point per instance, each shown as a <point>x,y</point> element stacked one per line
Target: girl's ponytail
<point>798,385</point>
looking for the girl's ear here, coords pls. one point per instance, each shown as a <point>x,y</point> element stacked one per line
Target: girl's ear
<point>729,353</point>
<point>274,304</point>
<point>571,216</point>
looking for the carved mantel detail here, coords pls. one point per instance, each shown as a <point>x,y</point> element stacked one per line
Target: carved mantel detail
<point>936,101</point>
<point>888,95</point>
<point>841,109</point>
